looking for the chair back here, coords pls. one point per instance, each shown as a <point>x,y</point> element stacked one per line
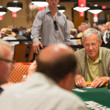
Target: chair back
<point>19,72</point>
<point>31,53</point>
<point>20,52</point>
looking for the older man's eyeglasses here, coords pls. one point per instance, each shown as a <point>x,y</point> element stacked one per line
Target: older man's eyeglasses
<point>92,44</point>
<point>55,25</point>
<point>6,60</point>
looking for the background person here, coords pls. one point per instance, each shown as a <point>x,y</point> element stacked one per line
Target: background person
<point>84,26</point>
<point>94,60</point>
<point>73,33</point>
<point>69,23</point>
<point>9,35</point>
<point>19,37</point>
<point>51,26</point>
<point>2,32</point>
<point>106,36</point>
<point>50,87</point>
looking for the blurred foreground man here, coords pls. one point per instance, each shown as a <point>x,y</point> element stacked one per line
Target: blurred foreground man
<point>94,61</point>
<point>6,63</point>
<point>50,87</point>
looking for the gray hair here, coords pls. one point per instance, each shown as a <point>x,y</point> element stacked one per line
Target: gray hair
<point>3,44</point>
<point>73,31</point>
<point>83,23</point>
<point>89,32</point>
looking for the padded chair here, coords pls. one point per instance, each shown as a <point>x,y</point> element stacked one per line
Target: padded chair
<point>31,53</point>
<point>19,52</point>
<point>20,72</point>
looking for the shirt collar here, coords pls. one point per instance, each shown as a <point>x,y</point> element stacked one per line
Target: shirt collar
<point>47,10</point>
<point>100,55</point>
<point>41,79</point>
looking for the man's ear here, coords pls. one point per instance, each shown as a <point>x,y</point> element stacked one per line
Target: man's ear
<point>82,42</point>
<point>67,82</point>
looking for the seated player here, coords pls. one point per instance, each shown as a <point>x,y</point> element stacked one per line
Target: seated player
<point>94,61</point>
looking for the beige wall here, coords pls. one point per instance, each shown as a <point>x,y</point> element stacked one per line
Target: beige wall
<point>68,6</point>
<point>77,20</point>
<point>25,16</point>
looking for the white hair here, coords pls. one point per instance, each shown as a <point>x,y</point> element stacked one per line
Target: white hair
<point>89,32</point>
<point>83,23</point>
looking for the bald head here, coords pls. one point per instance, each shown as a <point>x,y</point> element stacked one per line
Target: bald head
<point>55,51</point>
<point>56,61</point>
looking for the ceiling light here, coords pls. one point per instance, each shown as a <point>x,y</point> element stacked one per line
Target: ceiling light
<point>2,10</point>
<point>14,6</point>
<point>95,5</point>
<point>61,8</point>
<point>95,10</point>
<point>39,3</point>
<point>81,9</point>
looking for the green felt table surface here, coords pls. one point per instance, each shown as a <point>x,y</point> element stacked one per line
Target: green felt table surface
<point>99,95</point>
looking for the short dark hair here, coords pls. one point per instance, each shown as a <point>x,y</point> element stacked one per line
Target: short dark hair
<point>58,68</point>
<point>16,30</point>
<point>73,31</point>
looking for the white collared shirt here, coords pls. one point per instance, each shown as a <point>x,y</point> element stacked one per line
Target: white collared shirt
<point>39,93</point>
<point>43,26</point>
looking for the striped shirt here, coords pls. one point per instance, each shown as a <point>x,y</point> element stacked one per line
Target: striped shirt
<point>45,27</point>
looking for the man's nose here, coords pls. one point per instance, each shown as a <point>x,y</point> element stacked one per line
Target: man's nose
<point>90,47</point>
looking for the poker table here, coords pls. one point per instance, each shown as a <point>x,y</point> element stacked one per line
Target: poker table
<point>94,97</point>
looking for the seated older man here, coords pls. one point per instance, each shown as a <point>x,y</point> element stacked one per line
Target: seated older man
<point>94,61</point>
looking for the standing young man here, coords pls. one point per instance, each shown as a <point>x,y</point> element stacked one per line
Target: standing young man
<point>51,26</point>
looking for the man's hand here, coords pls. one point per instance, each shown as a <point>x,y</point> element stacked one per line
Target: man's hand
<point>36,46</point>
<point>98,82</point>
<point>79,81</point>
<point>32,67</point>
